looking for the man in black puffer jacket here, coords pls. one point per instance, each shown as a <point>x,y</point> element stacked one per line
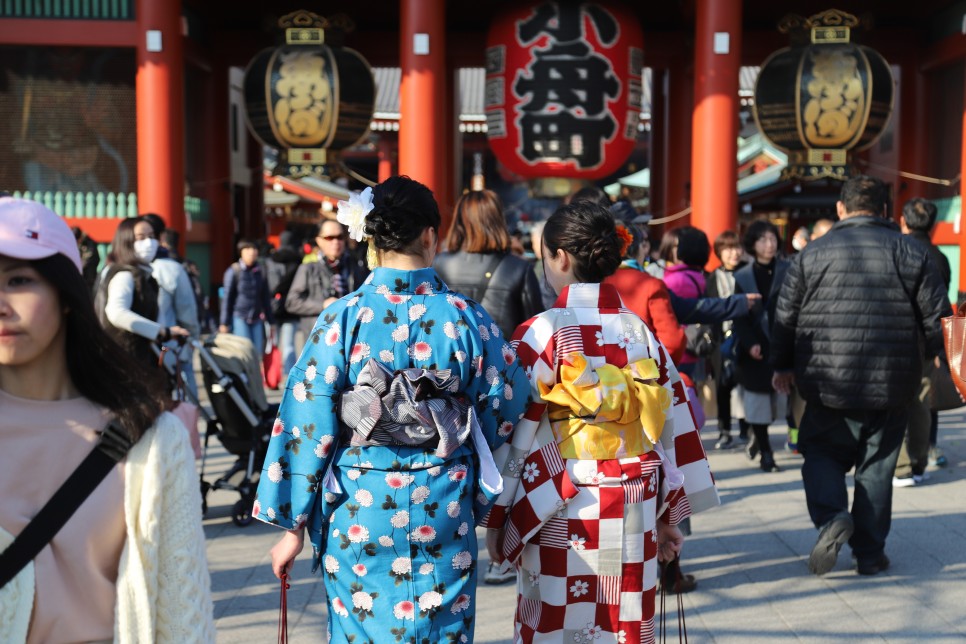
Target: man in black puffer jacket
<point>849,327</point>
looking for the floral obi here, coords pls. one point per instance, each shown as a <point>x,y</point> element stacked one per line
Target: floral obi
<point>412,407</point>
<point>606,412</point>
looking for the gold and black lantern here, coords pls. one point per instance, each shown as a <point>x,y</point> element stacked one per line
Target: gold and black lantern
<point>310,96</point>
<point>824,97</point>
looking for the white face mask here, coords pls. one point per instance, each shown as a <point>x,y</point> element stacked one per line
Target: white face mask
<point>798,243</point>
<point>146,249</point>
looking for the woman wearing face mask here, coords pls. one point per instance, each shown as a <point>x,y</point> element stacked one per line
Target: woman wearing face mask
<point>130,310</point>
<point>177,305</point>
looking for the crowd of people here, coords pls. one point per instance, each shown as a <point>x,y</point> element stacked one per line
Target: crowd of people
<point>555,403</point>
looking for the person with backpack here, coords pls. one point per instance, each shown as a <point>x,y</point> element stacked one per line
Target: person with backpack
<point>100,510</point>
<point>246,305</point>
<point>127,298</point>
<point>685,251</point>
<point>170,241</point>
<point>316,285</point>
<point>280,270</point>
<point>479,262</point>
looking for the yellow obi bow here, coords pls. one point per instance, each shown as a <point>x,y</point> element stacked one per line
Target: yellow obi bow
<point>607,412</point>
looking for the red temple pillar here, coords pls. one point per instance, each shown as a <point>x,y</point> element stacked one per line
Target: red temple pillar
<point>384,154</point>
<point>962,220</point>
<point>423,127</point>
<point>657,144</point>
<point>453,146</point>
<point>159,88</point>
<point>217,189</point>
<point>677,142</point>
<point>913,132</point>
<point>717,59</point>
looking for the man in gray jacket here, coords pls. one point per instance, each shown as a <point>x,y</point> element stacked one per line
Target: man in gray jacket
<point>318,284</point>
<point>852,311</point>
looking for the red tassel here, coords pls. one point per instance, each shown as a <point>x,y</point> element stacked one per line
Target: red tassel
<point>283,612</point>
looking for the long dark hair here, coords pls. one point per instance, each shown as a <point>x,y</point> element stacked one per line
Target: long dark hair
<point>122,246</point>
<point>585,230</point>
<point>103,372</point>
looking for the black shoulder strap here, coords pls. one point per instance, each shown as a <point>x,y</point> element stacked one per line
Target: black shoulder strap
<point>492,268</point>
<point>697,285</point>
<point>113,445</point>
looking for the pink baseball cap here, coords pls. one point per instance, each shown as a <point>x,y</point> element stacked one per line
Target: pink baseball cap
<point>30,230</point>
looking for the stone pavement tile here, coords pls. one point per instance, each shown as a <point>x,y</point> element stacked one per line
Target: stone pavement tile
<point>495,606</point>
<point>749,591</point>
<point>749,557</point>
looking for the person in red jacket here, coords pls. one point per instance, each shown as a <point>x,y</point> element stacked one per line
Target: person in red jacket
<point>646,295</point>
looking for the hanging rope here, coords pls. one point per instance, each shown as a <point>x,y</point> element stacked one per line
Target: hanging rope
<point>677,215</point>
<point>358,177</point>
<point>911,175</point>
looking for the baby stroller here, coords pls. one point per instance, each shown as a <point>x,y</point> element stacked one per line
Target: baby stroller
<point>242,419</point>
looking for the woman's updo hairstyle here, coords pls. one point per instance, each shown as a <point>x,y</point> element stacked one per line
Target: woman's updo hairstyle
<point>403,208</point>
<point>585,230</point>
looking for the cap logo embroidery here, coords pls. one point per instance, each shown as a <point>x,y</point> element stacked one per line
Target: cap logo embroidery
<point>32,234</point>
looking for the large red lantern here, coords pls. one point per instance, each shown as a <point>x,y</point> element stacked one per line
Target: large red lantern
<point>563,88</point>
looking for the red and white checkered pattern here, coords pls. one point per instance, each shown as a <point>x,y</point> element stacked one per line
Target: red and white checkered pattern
<point>582,532</point>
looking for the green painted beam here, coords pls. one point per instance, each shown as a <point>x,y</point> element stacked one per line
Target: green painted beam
<point>68,9</point>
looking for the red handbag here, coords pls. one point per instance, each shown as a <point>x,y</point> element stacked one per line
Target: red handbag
<point>272,367</point>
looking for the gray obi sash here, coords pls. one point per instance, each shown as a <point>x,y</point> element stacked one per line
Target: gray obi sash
<point>414,407</point>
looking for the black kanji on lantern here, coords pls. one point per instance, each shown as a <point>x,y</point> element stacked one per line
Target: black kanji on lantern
<point>567,85</point>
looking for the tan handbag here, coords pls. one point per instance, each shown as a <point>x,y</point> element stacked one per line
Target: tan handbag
<point>954,337</point>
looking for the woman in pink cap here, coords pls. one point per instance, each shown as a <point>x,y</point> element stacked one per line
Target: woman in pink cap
<point>128,565</point>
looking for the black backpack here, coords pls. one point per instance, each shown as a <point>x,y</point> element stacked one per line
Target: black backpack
<point>282,275</point>
<point>145,293</point>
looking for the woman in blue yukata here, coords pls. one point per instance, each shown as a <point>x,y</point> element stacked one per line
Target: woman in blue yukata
<point>381,450</point>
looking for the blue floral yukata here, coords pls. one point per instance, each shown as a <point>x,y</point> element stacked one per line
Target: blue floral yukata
<point>392,525</point>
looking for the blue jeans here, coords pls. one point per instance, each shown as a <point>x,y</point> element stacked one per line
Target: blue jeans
<point>286,345</point>
<point>254,331</point>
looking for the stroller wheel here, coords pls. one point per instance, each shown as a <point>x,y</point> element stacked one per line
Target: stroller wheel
<point>241,514</point>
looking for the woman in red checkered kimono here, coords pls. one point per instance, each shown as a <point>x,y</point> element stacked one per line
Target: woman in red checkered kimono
<point>607,459</point>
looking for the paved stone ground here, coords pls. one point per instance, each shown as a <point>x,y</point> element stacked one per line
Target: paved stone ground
<point>749,557</point>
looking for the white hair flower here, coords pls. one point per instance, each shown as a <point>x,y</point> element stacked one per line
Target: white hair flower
<point>353,213</point>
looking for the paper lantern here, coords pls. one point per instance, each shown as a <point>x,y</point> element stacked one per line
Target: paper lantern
<point>824,97</point>
<point>563,88</point>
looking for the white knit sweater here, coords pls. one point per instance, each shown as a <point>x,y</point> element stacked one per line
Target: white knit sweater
<point>163,585</point>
